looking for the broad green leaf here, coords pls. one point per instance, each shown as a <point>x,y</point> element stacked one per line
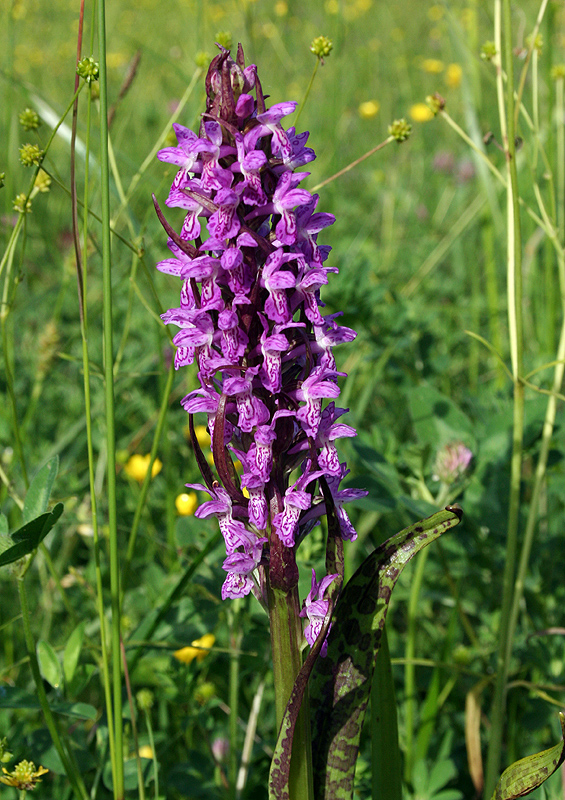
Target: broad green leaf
<point>39,492</point>
<point>11,697</point>
<point>525,775</point>
<point>72,652</point>
<point>3,525</point>
<point>340,685</point>
<point>345,675</point>
<point>49,664</point>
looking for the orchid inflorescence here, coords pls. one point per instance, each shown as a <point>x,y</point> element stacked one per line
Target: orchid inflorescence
<point>250,316</point>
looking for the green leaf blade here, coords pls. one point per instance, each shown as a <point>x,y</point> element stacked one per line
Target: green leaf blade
<point>39,492</point>
<point>340,685</point>
<point>49,665</point>
<point>525,775</point>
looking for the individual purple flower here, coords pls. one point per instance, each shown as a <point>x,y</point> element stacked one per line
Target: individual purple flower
<point>269,123</point>
<point>318,385</point>
<point>186,154</point>
<point>224,223</point>
<point>190,195</point>
<point>240,566</point>
<point>296,500</point>
<point>316,610</point>
<point>252,411</point>
<point>341,496</point>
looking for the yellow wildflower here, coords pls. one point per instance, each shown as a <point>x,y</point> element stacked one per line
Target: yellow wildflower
<point>138,465</point>
<point>24,776</point>
<point>432,65</point>
<point>369,109</point>
<point>186,504</point>
<point>420,112</point>
<point>198,649</point>
<point>145,751</point>
<point>202,435</point>
<point>453,76</point>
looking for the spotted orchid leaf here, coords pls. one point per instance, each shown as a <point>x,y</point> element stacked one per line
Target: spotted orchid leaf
<point>340,684</point>
<point>525,775</point>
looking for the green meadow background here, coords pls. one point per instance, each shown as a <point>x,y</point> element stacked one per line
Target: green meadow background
<point>419,240</point>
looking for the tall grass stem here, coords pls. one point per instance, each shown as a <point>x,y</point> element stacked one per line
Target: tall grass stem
<point>514,292</point>
<point>118,777</point>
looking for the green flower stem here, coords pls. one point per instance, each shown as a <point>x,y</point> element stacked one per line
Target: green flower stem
<point>514,290</point>
<point>118,777</point>
<point>67,758</point>
<point>286,639</point>
<point>409,668</point>
<point>105,669</point>
<point>307,92</point>
<point>147,480</point>
<point>560,157</point>
<point>353,164</point>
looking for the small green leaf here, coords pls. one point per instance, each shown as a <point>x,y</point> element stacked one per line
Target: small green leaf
<point>34,532</point>
<point>72,652</point>
<point>49,664</point>
<point>14,553</point>
<point>29,536</point>
<point>39,492</point>
<point>527,774</point>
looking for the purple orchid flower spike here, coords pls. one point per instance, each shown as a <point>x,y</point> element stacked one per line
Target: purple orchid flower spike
<point>250,319</point>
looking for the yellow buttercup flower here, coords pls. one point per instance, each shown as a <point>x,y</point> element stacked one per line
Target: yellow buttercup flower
<point>369,109</point>
<point>453,76</point>
<point>432,65</point>
<point>420,112</point>
<point>198,649</point>
<point>138,465</point>
<point>202,435</point>
<point>24,776</point>
<point>186,504</point>
<point>145,751</point>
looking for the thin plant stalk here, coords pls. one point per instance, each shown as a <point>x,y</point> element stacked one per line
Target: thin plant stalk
<point>307,92</point>
<point>353,164</point>
<point>147,480</point>
<point>514,290</point>
<point>66,756</point>
<point>90,453</point>
<point>118,782</point>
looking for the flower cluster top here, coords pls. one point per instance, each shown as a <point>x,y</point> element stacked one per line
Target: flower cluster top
<point>251,318</point>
